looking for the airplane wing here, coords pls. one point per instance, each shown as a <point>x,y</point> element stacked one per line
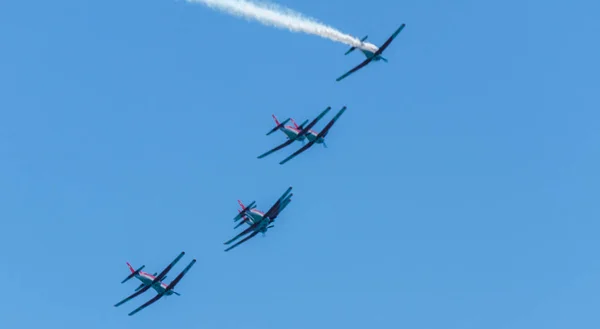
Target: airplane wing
<point>168,268</point>
<point>139,292</point>
<point>155,298</point>
<point>358,67</point>
<point>302,149</point>
<point>277,207</point>
<point>246,220</point>
<point>243,240</point>
<point>178,278</point>
<point>388,41</point>
<point>314,122</point>
<point>325,130</point>
<point>244,232</point>
<point>301,133</point>
<point>288,142</point>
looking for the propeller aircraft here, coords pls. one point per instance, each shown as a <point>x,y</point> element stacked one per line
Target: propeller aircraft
<point>372,53</point>
<point>154,281</point>
<point>258,221</point>
<point>302,133</point>
<point>291,131</point>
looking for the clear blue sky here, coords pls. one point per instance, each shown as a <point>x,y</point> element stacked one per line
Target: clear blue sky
<point>459,190</point>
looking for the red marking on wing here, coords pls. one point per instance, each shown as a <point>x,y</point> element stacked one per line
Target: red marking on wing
<point>130,268</point>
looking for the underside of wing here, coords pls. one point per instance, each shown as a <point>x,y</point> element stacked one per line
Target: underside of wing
<point>358,67</point>
<point>288,142</point>
<point>244,232</point>
<point>178,278</point>
<point>279,206</point>
<point>157,297</point>
<point>243,240</point>
<point>314,122</point>
<point>137,293</point>
<point>325,130</point>
<point>168,268</point>
<point>276,208</point>
<point>302,149</point>
<point>388,41</point>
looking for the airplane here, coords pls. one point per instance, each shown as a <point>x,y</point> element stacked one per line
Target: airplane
<point>319,137</point>
<point>289,131</point>
<point>373,54</point>
<point>292,132</point>
<point>295,134</point>
<point>154,281</point>
<point>258,221</point>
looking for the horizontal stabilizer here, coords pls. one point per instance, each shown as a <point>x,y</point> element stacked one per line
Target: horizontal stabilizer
<point>353,48</point>
<point>134,273</point>
<point>279,126</point>
<point>244,211</point>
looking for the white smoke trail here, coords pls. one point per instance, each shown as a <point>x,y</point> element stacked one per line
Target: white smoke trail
<point>277,16</point>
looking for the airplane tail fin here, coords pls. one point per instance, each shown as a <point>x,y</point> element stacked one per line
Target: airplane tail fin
<point>278,125</point>
<point>133,272</point>
<point>353,48</point>
<point>295,124</point>
<point>242,213</point>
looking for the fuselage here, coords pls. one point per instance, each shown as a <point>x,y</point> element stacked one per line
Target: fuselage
<point>256,216</point>
<point>370,54</point>
<point>292,132</point>
<point>147,279</point>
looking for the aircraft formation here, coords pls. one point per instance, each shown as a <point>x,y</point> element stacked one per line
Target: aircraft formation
<point>256,220</point>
